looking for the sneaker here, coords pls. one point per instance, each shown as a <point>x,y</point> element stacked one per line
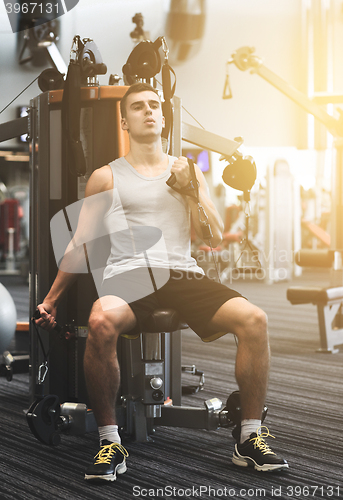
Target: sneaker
<point>109,462</point>
<point>255,452</point>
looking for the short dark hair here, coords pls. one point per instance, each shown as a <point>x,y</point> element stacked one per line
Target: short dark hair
<point>134,89</point>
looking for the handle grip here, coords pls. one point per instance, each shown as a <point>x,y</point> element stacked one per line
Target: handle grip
<point>171,181</point>
<point>58,328</point>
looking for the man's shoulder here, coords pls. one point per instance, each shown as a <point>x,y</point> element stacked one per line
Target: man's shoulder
<point>100,180</point>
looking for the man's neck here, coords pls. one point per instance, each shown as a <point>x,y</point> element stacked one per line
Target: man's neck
<point>145,155</point>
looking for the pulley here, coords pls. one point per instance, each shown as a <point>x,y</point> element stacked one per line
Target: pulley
<point>50,79</point>
<point>144,60</point>
<point>240,174</point>
<point>232,411</point>
<point>90,59</point>
<point>43,417</point>
<point>48,419</point>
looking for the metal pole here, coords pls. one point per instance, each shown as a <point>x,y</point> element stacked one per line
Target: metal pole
<point>337,212</point>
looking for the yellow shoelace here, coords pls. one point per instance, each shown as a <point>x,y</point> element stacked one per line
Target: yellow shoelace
<point>259,441</point>
<point>106,453</point>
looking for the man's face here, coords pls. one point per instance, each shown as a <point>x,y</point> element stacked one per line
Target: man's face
<point>144,117</point>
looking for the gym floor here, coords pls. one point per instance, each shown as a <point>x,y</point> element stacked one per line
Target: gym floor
<point>304,414</point>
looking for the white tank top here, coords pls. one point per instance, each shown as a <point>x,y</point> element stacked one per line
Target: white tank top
<point>148,222</point>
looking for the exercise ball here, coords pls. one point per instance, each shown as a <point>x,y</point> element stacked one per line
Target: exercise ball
<point>8,318</point>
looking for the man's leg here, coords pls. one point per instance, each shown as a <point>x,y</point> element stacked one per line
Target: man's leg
<point>249,324</point>
<point>108,319</point>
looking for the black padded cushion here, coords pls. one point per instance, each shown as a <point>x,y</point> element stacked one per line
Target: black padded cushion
<point>313,294</point>
<point>163,320</point>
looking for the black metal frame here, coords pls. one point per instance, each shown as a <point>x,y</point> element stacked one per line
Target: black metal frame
<point>52,188</point>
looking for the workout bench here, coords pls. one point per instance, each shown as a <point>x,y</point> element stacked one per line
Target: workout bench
<point>329,301</point>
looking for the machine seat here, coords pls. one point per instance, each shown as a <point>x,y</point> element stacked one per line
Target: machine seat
<point>163,320</point>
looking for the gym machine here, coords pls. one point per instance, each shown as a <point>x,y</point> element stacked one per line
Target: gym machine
<point>245,59</point>
<point>150,393</point>
<point>329,301</point>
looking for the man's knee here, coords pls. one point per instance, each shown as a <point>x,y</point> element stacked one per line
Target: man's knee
<point>255,326</point>
<point>260,319</point>
<point>105,324</point>
<point>104,327</point>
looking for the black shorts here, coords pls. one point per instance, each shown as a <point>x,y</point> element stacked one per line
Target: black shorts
<point>194,296</point>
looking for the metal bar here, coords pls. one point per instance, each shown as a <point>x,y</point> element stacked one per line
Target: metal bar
<point>175,364</point>
<point>177,126</point>
<point>337,197</point>
<point>14,128</point>
<point>325,329</point>
<point>327,98</point>
<point>208,140</point>
<point>334,126</point>
<point>322,327</point>
<point>244,59</point>
<point>34,357</point>
<point>183,416</point>
<point>56,58</point>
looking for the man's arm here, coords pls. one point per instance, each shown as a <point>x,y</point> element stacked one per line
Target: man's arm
<point>181,170</point>
<point>91,215</point>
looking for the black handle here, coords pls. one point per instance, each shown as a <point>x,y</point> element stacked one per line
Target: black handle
<point>171,181</point>
<point>58,328</point>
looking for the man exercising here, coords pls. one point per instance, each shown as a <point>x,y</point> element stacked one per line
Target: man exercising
<point>135,193</point>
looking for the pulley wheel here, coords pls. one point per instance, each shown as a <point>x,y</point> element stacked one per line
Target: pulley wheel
<point>42,418</point>
<point>50,79</point>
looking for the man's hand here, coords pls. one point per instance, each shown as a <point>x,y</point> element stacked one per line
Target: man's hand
<point>48,314</point>
<point>181,170</point>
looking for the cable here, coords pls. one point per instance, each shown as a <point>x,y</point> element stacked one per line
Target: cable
<point>214,261</point>
<point>45,354</point>
<point>186,110</point>
<point>19,94</point>
<point>193,117</point>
